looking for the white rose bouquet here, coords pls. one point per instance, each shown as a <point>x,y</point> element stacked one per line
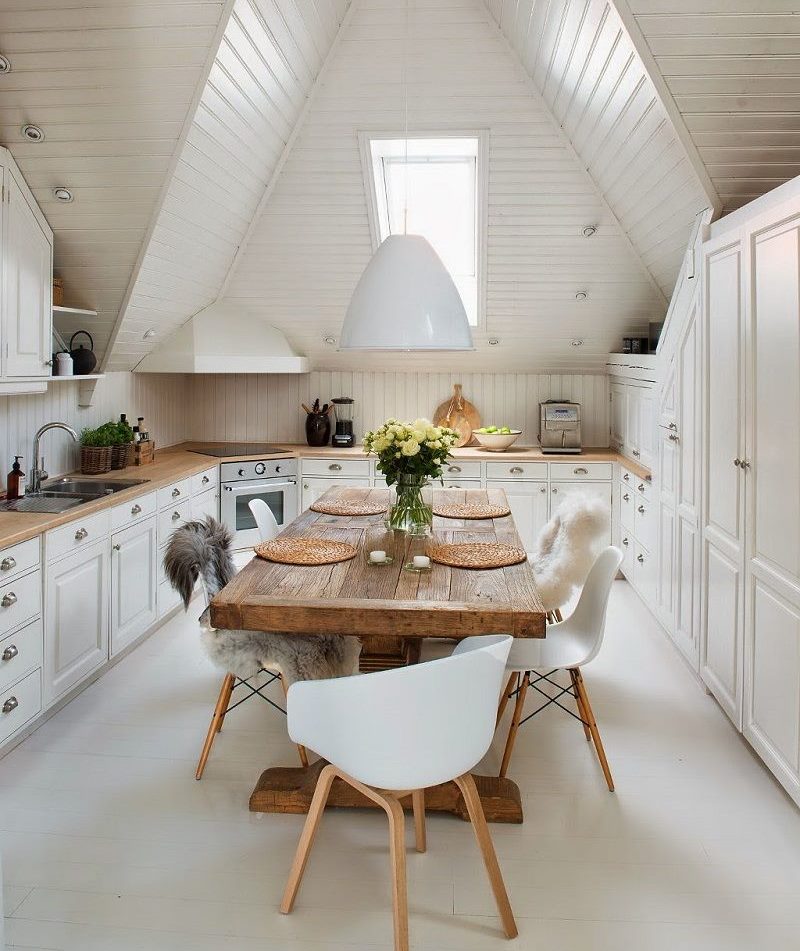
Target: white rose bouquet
<point>410,454</point>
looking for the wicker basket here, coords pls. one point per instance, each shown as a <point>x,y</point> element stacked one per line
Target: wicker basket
<point>95,459</point>
<point>58,292</point>
<point>122,456</point>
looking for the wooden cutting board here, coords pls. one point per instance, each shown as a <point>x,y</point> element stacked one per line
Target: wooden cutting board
<point>459,414</point>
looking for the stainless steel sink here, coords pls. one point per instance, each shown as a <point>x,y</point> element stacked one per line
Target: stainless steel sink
<point>59,495</point>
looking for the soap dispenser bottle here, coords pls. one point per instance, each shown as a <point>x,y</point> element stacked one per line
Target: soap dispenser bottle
<point>15,484</point>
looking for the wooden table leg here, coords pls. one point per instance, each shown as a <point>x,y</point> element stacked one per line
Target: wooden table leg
<point>290,789</point>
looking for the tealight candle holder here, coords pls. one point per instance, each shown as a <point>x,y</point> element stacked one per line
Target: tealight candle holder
<point>418,564</point>
<point>378,558</point>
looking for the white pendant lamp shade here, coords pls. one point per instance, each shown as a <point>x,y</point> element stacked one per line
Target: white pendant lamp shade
<point>406,300</point>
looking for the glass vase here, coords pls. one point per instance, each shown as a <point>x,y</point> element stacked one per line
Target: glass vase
<point>410,512</point>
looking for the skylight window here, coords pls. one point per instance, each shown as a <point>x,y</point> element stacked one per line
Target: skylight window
<point>433,187</point>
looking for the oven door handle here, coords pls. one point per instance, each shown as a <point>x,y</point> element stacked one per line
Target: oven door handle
<point>242,488</point>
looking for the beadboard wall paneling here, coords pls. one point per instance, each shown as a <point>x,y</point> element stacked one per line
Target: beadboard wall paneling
<point>312,241</point>
<point>253,408</point>
<point>588,71</point>
<point>161,399</point>
<point>110,84</point>
<point>733,68</point>
<point>269,57</point>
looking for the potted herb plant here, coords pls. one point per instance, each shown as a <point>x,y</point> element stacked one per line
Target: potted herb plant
<point>96,449</point>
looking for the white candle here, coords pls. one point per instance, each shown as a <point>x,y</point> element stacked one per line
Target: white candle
<point>422,561</point>
<point>377,557</point>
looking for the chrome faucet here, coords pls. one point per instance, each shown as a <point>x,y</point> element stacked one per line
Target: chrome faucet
<point>37,472</point>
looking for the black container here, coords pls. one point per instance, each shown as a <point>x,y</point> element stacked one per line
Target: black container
<point>318,429</point>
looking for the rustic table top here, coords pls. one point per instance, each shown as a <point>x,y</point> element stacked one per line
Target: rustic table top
<point>354,597</point>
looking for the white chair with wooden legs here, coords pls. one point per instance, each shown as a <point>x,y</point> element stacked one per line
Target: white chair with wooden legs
<point>569,645</point>
<point>267,529</point>
<point>395,733</point>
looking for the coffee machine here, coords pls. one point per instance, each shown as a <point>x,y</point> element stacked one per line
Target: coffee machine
<point>560,426</point>
<point>343,435</point>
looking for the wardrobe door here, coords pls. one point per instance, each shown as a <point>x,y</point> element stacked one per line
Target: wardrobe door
<point>721,653</point>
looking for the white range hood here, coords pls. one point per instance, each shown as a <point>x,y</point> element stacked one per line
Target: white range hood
<point>224,338</point>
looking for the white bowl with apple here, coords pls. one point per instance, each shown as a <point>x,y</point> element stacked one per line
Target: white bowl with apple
<point>496,438</point>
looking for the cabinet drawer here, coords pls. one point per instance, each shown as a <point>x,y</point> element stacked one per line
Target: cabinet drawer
<point>205,504</point>
<point>645,523</point>
<point>134,511</point>
<point>20,652</point>
<point>628,477</point>
<point>171,518</point>
<point>628,553</point>
<point>203,481</point>
<point>457,469</point>
<point>20,703</point>
<point>644,574</point>
<point>174,493</point>
<point>77,534</point>
<point>18,558</point>
<point>516,470</point>
<point>596,471</point>
<point>627,506</point>
<point>458,483</point>
<point>20,600</point>
<point>336,467</point>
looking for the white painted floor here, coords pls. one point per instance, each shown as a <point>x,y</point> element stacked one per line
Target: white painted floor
<point>109,844</point>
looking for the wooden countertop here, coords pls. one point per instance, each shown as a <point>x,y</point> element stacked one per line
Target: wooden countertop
<point>177,462</point>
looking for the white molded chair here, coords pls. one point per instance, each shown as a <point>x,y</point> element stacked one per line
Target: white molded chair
<point>568,646</point>
<point>265,520</point>
<point>395,733</point>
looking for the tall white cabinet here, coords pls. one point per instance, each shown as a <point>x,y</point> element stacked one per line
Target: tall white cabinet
<point>750,630</point>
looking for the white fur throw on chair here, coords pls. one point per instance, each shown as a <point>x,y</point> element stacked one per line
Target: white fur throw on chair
<point>203,549</point>
<point>567,547</point>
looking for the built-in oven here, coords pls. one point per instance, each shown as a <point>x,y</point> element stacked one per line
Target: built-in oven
<point>274,481</point>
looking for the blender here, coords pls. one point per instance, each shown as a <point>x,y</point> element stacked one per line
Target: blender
<point>343,436</point>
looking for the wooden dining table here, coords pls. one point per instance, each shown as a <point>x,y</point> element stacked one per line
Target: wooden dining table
<point>390,603</point>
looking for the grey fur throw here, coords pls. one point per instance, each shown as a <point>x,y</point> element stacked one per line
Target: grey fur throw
<point>203,550</point>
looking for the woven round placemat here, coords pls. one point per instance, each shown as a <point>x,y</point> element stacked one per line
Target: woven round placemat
<point>344,507</point>
<point>305,551</point>
<point>470,510</point>
<point>477,555</point>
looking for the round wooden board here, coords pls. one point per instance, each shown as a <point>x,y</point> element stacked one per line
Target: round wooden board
<point>477,555</point>
<point>470,510</point>
<point>305,551</point>
<point>458,414</point>
<point>349,508</point>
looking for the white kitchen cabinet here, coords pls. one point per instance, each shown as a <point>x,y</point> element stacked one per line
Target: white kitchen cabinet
<point>314,486</point>
<point>76,618</point>
<point>619,414</point>
<point>134,552</point>
<point>530,507</point>
<point>26,312</point>
<point>205,505</point>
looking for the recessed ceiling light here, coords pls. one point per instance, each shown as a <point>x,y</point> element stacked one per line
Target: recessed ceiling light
<point>33,133</point>
<point>329,341</point>
<point>589,231</point>
<point>5,64</point>
<point>581,295</point>
<point>148,334</point>
<point>577,342</point>
<point>62,194</point>
<point>493,341</point>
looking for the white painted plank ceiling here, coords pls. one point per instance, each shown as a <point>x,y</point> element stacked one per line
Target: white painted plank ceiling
<point>585,66</point>
<point>270,54</point>
<point>312,240</point>
<point>111,84</point>
<point>733,68</point>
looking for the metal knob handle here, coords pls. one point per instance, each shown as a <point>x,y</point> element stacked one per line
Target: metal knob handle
<point>581,470</point>
<point>48,363</point>
<point>626,477</point>
<point>305,485</point>
<point>745,464</point>
<point>554,490</point>
<point>626,497</point>
<point>672,437</point>
<point>176,516</point>
<point>8,599</point>
<point>454,468</point>
<point>625,542</point>
<point>335,467</point>
<point>81,534</point>
<point>117,547</point>
<point>640,509</point>
<point>516,470</point>
<point>11,704</point>
<point>673,426</point>
<point>737,462</point>
<point>8,563</point>
<point>640,486</point>
<point>640,559</point>
<point>635,453</point>
<point>136,510</point>
<point>205,480</point>
<point>543,489</point>
<point>10,652</point>
<point>175,493</point>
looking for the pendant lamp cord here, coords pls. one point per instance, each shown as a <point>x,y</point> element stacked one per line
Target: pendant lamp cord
<point>405,120</point>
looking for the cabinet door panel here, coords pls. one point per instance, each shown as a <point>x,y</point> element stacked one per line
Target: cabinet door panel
<point>619,415</point>
<point>646,419</point>
<point>76,618</point>
<point>27,287</point>
<point>721,663</point>
<point>689,417</point>
<point>667,578</point>
<point>133,583</point>
<point>687,588</point>
<point>313,488</point>
<point>529,505</point>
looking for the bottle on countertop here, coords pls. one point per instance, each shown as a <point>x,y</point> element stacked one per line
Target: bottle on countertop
<point>15,484</point>
<point>136,436</point>
<point>144,436</point>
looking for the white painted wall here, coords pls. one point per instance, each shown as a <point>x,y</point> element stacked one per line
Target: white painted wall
<point>232,407</point>
<point>160,399</point>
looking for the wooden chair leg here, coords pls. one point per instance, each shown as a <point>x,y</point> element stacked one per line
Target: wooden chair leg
<point>512,733</point>
<point>231,683</point>
<point>418,803</point>
<point>323,788</point>
<point>216,722</point>
<point>473,802</point>
<point>579,704</point>
<point>505,697</point>
<point>301,750</point>
<point>598,743</point>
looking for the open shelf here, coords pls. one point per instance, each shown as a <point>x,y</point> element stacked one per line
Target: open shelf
<point>75,376</point>
<point>74,311</point>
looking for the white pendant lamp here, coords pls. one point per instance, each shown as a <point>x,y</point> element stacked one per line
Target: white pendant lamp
<point>406,300</point>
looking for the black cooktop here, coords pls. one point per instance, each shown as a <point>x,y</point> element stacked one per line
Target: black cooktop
<point>238,449</point>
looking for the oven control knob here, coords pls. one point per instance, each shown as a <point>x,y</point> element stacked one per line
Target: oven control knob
<point>260,468</point>
<point>241,472</point>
